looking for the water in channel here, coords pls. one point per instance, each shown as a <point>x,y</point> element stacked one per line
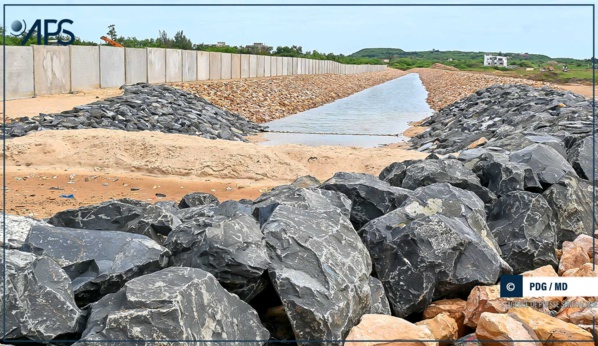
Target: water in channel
<point>369,118</point>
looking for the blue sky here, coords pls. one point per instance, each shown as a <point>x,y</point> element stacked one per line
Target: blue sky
<point>554,31</point>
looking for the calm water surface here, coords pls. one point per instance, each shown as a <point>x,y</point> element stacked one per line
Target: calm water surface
<point>385,109</point>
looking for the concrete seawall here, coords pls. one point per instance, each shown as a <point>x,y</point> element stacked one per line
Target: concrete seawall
<point>42,70</point>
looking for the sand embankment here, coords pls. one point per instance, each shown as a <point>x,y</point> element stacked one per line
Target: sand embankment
<point>153,158</point>
<point>270,98</point>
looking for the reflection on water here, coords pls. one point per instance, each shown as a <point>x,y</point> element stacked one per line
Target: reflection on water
<point>383,109</point>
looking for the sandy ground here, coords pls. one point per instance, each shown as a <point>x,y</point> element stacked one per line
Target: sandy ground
<point>148,159</point>
<point>56,103</point>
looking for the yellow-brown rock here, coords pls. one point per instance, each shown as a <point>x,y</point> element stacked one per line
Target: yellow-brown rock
<point>571,305</point>
<point>452,307</point>
<point>503,330</point>
<point>483,299</point>
<point>553,329</point>
<point>574,256</point>
<point>442,326</point>
<point>384,327</point>
<point>583,271</point>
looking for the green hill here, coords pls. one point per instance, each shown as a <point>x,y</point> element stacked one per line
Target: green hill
<point>460,59</point>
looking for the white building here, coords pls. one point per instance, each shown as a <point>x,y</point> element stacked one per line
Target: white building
<point>495,60</point>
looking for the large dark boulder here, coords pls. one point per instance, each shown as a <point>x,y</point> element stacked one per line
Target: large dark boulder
<point>442,198</point>
<point>126,215</point>
<point>431,258</point>
<point>522,223</point>
<point>173,304</point>
<point>230,248</point>
<point>546,163</point>
<point>106,216</point>
<point>37,299</point>
<point>196,199</point>
<point>97,262</point>
<point>303,198</point>
<point>571,201</point>
<point>395,172</point>
<point>380,304</point>
<point>156,222</point>
<point>321,271</point>
<point>449,171</point>
<point>370,197</point>
<point>581,157</point>
<point>503,177</point>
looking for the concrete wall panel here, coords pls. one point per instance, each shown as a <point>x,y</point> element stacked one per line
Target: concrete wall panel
<point>294,66</point>
<point>174,65</point>
<point>285,65</point>
<point>156,65</point>
<point>279,66</point>
<point>19,72</point>
<point>135,65</point>
<point>261,65</point>
<point>189,65</point>
<point>236,66</point>
<point>252,66</point>
<point>227,68</point>
<point>112,66</point>
<point>245,65</point>
<point>51,68</point>
<point>267,66</point>
<point>203,65</point>
<point>85,67</point>
<point>215,65</point>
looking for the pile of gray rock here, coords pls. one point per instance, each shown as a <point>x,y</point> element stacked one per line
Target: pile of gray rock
<point>302,262</point>
<point>145,107</point>
<point>510,117</point>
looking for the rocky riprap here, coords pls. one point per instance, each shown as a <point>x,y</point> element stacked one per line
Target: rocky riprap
<point>305,261</point>
<point>145,107</point>
<point>509,117</point>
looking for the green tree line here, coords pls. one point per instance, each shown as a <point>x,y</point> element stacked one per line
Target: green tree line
<point>181,41</point>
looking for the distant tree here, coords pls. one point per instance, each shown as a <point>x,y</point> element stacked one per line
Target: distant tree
<point>112,32</point>
<point>181,41</point>
<point>163,39</point>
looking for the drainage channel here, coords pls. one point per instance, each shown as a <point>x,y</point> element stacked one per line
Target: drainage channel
<point>372,117</point>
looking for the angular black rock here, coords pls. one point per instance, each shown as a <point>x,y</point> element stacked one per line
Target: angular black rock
<point>571,201</point>
<point>450,171</point>
<point>395,172</point>
<point>370,196</point>
<point>126,215</point>
<point>522,223</point>
<point>504,177</point>
<point>581,158</point>
<point>546,163</point>
<point>232,249</point>
<point>38,300</point>
<point>197,199</point>
<point>302,198</point>
<point>321,271</point>
<point>106,216</point>
<point>431,258</point>
<point>442,198</point>
<point>380,304</point>
<point>98,262</point>
<point>173,304</point>
<point>145,107</point>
